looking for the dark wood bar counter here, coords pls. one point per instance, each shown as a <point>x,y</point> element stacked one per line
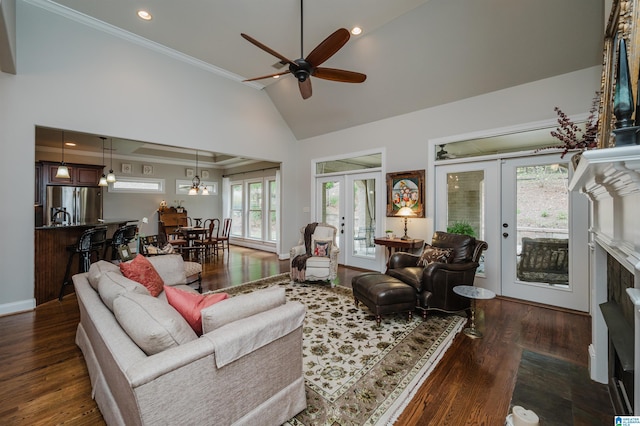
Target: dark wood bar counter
<point>51,255</point>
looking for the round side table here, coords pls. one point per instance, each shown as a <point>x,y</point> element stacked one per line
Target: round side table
<point>473,293</point>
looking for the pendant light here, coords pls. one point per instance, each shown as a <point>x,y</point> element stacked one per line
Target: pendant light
<point>111,177</point>
<point>195,182</point>
<point>103,178</point>
<point>63,170</point>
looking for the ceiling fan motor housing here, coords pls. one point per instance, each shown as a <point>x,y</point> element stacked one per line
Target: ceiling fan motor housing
<point>302,71</point>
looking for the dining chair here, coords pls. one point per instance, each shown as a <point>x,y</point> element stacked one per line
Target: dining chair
<point>223,238</point>
<point>210,242</point>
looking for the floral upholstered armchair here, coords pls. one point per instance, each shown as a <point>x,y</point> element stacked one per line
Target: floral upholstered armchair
<point>315,258</point>
<point>450,260</point>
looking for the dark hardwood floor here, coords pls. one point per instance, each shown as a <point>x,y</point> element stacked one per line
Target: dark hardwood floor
<point>44,378</point>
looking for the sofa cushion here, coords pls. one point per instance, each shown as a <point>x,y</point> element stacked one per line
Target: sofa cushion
<point>112,284</point>
<point>242,306</point>
<point>432,254</point>
<point>190,304</point>
<point>142,271</point>
<point>97,269</point>
<point>170,267</point>
<point>151,323</point>
<point>411,275</point>
<point>318,262</point>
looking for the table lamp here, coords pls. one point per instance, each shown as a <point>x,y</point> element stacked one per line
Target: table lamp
<point>405,212</point>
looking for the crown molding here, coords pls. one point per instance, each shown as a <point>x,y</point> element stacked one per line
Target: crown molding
<point>89,21</point>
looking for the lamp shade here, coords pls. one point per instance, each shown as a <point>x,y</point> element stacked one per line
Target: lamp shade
<point>405,212</point>
<point>63,171</point>
<point>103,181</point>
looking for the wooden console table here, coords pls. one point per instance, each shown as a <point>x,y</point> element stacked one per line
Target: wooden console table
<point>398,244</point>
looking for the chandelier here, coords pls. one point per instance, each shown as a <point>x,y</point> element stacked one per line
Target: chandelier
<point>196,183</point>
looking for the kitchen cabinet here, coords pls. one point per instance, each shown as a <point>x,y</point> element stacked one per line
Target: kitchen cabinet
<point>81,174</point>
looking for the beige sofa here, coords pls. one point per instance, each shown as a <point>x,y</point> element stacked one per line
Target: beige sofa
<point>245,369</point>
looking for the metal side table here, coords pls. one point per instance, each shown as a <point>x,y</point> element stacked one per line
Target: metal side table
<point>473,293</point>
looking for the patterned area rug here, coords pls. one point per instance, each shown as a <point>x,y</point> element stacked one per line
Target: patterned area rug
<point>357,373</point>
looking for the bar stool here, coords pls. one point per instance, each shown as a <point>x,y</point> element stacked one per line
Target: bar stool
<point>91,241</point>
<point>123,235</point>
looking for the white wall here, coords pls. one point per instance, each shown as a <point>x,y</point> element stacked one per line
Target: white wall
<point>74,77</point>
<point>405,137</point>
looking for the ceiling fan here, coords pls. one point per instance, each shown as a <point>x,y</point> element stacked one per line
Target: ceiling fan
<point>304,68</point>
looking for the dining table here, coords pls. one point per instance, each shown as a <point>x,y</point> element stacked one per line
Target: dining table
<point>192,234</point>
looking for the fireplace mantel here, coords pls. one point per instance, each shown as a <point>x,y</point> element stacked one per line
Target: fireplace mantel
<point>610,178</point>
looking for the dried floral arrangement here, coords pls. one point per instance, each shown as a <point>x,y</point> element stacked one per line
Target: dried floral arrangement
<point>571,135</point>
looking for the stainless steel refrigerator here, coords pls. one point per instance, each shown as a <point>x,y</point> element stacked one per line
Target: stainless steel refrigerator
<point>73,205</point>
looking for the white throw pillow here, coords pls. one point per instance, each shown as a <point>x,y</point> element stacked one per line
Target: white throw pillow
<point>151,323</point>
<point>97,269</point>
<point>170,267</point>
<point>112,284</point>
<point>242,306</point>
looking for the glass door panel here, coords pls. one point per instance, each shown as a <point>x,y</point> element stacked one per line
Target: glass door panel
<point>465,205</point>
<point>360,250</point>
<point>538,235</point>
<point>364,217</point>
<point>330,206</point>
<point>542,224</point>
<point>467,197</point>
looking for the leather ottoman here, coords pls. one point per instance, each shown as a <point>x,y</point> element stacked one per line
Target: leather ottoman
<point>383,294</point>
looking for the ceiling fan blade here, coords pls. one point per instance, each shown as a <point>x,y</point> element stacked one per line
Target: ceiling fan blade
<point>339,75</point>
<point>267,76</point>
<point>328,47</point>
<point>267,49</point>
<point>305,88</point>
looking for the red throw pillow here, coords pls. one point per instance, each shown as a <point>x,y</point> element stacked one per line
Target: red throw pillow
<point>190,305</point>
<point>142,271</point>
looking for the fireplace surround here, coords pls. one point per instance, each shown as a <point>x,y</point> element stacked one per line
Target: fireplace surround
<point>610,178</point>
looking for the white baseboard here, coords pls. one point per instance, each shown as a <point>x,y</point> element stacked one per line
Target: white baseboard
<point>19,306</point>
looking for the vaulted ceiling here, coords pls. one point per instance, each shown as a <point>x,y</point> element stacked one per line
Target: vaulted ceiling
<point>416,53</point>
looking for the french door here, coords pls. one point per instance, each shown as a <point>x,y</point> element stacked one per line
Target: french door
<point>544,233</point>
<point>350,203</point>
<point>534,227</point>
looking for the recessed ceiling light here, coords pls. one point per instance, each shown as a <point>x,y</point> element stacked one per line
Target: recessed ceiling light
<point>356,30</point>
<point>70,143</point>
<point>143,14</point>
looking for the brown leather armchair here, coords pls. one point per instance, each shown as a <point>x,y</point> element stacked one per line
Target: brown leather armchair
<point>434,282</point>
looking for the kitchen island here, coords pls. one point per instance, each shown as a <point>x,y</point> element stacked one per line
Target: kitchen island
<point>51,254</point>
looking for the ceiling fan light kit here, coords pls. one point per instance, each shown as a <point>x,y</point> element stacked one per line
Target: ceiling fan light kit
<point>305,67</point>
